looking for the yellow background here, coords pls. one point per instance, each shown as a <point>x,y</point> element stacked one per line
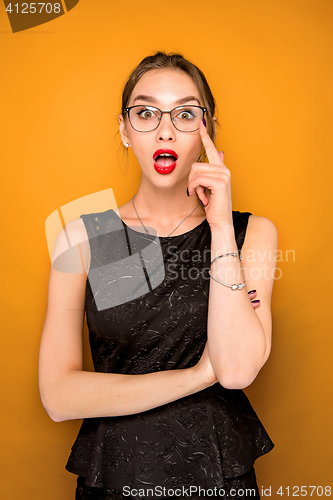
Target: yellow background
<point>269,64</point>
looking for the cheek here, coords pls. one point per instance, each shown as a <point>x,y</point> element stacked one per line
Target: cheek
<point>196,148</point>
<point>140,148</point>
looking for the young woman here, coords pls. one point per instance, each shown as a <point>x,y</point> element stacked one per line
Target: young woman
<point>172,345</point>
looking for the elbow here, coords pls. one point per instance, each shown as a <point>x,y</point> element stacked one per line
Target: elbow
<point>239,378</point>
<point>52,409</point>
<point>52,405</point>
<point>56,417</point>
<point>57,396</point>
<point>236,380</point>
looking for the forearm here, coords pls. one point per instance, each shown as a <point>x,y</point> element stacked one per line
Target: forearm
<point>79,394</point>
<point>236,339</point>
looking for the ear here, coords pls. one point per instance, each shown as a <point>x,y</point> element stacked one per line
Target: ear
<point>214,125</point>
<point>122,130</point>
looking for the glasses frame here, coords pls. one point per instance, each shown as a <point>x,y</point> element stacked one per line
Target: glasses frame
<point>160,118</point>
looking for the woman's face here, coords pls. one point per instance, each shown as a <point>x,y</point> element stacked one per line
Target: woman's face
<point>164,89</point>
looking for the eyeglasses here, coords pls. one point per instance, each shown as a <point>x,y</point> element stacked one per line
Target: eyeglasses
<point>147,118</point>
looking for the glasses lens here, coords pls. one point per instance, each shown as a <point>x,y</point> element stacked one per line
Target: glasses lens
<point>187,118</point>
<point>144,118</point>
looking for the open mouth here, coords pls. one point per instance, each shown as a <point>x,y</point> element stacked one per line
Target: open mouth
<point>165,160</point>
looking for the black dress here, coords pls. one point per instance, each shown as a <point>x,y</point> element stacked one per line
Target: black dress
<point>145,317</point>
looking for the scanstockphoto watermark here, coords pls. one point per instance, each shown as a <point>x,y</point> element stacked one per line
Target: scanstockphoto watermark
<point>124,263</point>
<point>187,491</point>
<point>188,264</point>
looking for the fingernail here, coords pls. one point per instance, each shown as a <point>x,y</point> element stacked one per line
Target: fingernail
<point>188,194</point>
<point>204,122</point>
<point>252,291</point>
<point>202,203</point>
<point>255,301</point>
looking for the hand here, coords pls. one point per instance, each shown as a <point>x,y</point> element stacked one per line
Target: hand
<point>216,178</point>
<point>253,295</point>
<point>205,367</point>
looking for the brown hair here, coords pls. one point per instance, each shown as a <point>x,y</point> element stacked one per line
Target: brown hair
<point>161,60</point>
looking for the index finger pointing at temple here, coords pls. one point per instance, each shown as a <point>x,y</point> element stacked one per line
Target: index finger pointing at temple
<point>212,153</point>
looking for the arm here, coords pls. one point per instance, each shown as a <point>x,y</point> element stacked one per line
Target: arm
<point>239,337</point>
<point>68,392</point>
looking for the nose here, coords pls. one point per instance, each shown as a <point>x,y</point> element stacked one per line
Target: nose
<point>166,130</point>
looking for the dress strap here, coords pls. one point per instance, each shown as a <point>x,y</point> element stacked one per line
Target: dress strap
<point>240,220</point>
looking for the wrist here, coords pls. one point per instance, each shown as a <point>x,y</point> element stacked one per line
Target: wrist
<point>221,222</point>
<point>221,227</point>
<point>196,378</point>
<point>223,240</point>
<point>202,375</point>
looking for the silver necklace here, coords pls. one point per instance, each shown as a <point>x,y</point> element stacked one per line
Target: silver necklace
<point>171,231</point>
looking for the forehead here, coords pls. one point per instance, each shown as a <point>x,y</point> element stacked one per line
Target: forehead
<point>166,86</point>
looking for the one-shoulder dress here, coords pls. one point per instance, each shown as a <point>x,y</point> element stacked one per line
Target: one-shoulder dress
<point>146,308</point>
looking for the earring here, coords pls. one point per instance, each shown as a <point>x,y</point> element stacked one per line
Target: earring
<point>126,145</point>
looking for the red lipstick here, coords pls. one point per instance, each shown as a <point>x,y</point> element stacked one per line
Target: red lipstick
<point>165,160</point>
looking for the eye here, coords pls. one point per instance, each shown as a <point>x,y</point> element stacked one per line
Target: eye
<point>146,113</point>
<point>185,114</point>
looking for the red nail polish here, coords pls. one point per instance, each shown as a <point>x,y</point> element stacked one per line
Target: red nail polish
<point>204,122</point>
<point>251,291</point>
<point>255,301</point>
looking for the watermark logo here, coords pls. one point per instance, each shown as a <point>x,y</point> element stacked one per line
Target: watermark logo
<point>122,262</point>
<point>26,15</point>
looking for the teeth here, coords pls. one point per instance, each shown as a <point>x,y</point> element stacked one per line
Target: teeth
<point>165,154</point>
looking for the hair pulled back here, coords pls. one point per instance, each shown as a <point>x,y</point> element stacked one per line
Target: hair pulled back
<point>161,60</point>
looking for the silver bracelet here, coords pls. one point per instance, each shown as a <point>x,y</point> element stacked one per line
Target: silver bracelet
<point>234,254</point>
<point>234,286</point>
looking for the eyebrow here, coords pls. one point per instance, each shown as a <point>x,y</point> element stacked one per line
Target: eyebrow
<point>152,99</point>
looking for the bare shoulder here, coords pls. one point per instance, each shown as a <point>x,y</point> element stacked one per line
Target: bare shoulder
<point>259,263</point>
<point>72,248</point>
<point>260,231</point>
<point>259,252</point>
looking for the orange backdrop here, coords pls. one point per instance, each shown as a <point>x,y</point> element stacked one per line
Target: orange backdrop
<point>269,64</point>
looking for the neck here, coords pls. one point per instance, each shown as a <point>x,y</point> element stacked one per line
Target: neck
<point>165,204</point>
